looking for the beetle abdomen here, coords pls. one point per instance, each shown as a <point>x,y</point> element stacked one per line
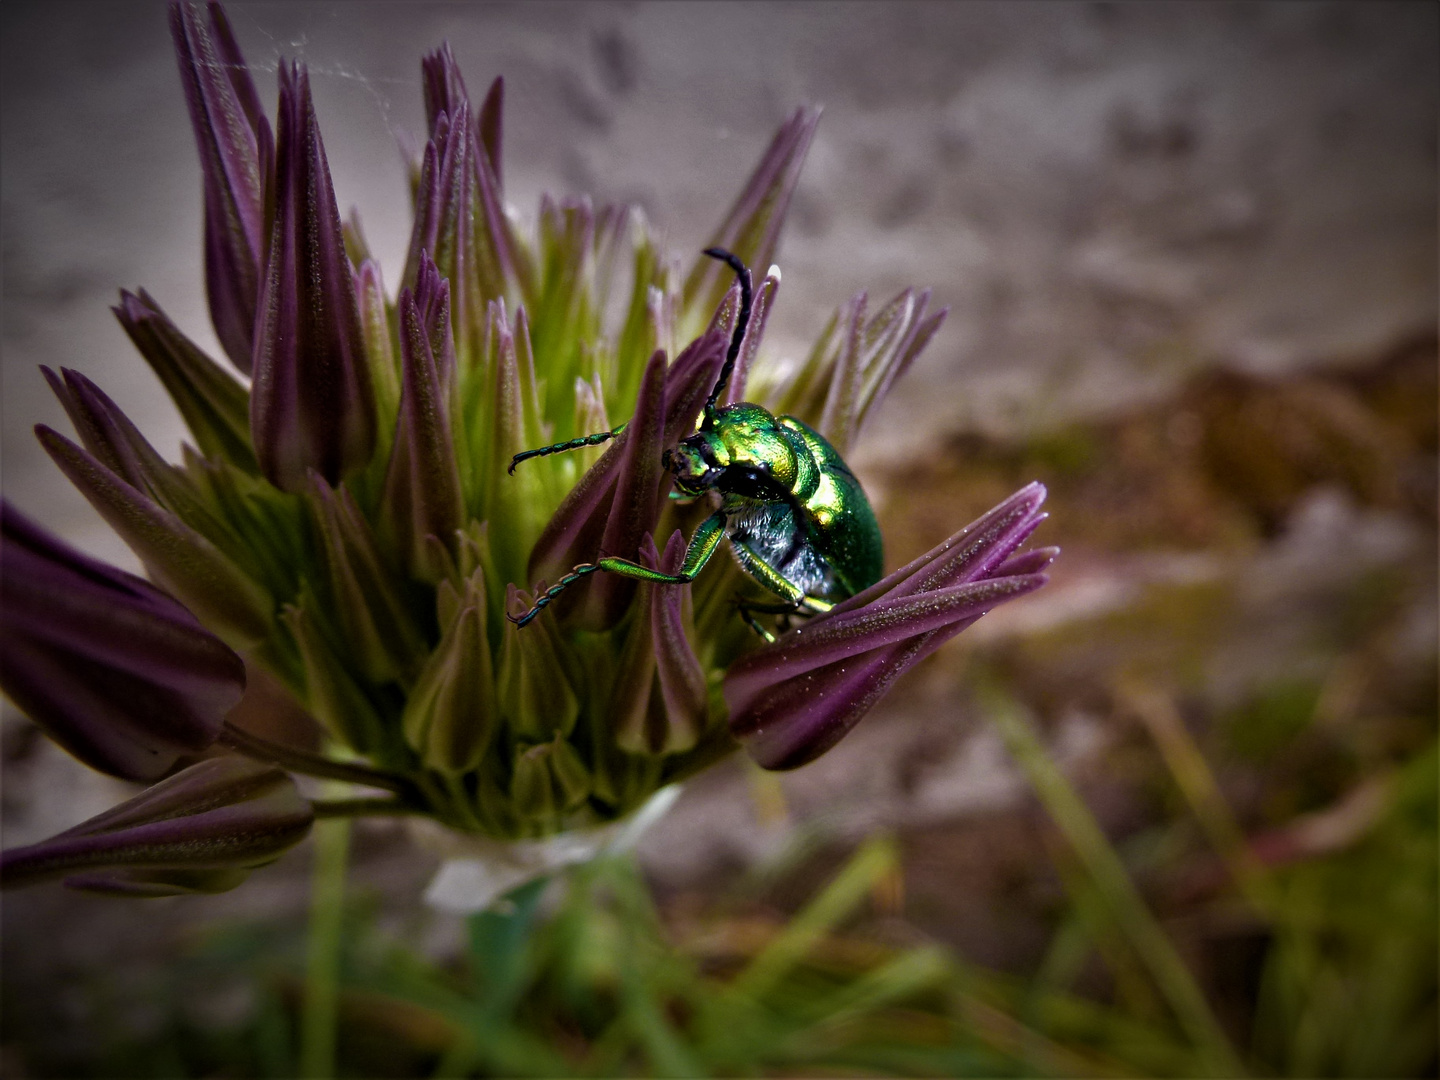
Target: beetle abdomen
<point>769,532</point>
<point>841,524</point>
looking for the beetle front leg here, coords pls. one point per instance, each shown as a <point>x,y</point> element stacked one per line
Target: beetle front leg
<point>702,545</point>
<point>561,447</point>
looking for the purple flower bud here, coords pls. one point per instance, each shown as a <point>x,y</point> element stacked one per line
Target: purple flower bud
<point>792,700</point>
<point>752,227</point>
<point>856,360</point>
<point>175,554</point>
<point>115,671</point>
<point>311,406</point>
<point>236,153</point>
<point>202,830</point>
<point>459,219</point>
<point>422,494</point>
<point>444,90</point>
<point>661,699</point>
<point>216,407</point>
<point>614,504</point>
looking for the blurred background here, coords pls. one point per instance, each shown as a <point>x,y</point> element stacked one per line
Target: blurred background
<point>1190,255</point>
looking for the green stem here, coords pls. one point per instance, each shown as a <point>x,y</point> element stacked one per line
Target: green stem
<point>302,761</point>
<point>319,1021</point>
<point>1201,790</point>
<point>1112,883</point>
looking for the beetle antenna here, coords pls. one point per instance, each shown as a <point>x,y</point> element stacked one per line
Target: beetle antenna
<point>742,323</point>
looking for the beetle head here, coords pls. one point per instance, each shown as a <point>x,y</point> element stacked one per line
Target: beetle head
<point>697,462</point>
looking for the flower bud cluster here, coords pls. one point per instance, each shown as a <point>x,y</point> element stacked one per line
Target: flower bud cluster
<point>347,521</point>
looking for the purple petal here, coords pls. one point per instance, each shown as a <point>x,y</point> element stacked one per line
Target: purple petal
<point>635,507</point>
<point>490,127</point>
<point>114,439</point>
<point>444,91</point>
<point>442,85</point>
<point>883,622</point>
<point>917,334</point>
<point>587,518</point>
<point>682,679</point>
<point>792,700</point>
<point>1027,562</point>
<point>972,553</point>
<point>152,883</point>
<point>111,668</point>
<point>754,333</point>
<point>691,378</point>
<point>460,222</point>
<point>796,721</point>
<point>311,406</point>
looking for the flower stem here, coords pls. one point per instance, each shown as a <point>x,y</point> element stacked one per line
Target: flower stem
<point>302,761</point>
<point>319,1021</point>
<point>1112,882</point>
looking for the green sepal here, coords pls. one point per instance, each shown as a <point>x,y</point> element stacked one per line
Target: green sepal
<point>263,529</point>
<point>177,557</point>
<point>214,404</point>
<point>532,688</point>
<point>383,637</point>
<point>512,424</point>
<point>549,781</point>
<point>635,687</point>
<point>357,248</point>
<point>649,319</point>
<point>837,418</point>
<point>564,312</point>
<point>377,336</point>
<point>332,694</point>
<point>590,415</point>
<point>450,716</point>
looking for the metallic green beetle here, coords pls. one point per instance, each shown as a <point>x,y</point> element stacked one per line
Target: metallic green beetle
<point>796,517</point>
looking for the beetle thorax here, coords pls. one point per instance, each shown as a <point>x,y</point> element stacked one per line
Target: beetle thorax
<point>743,451</point>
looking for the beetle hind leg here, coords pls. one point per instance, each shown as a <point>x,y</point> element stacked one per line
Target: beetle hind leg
<point>748,609</point>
